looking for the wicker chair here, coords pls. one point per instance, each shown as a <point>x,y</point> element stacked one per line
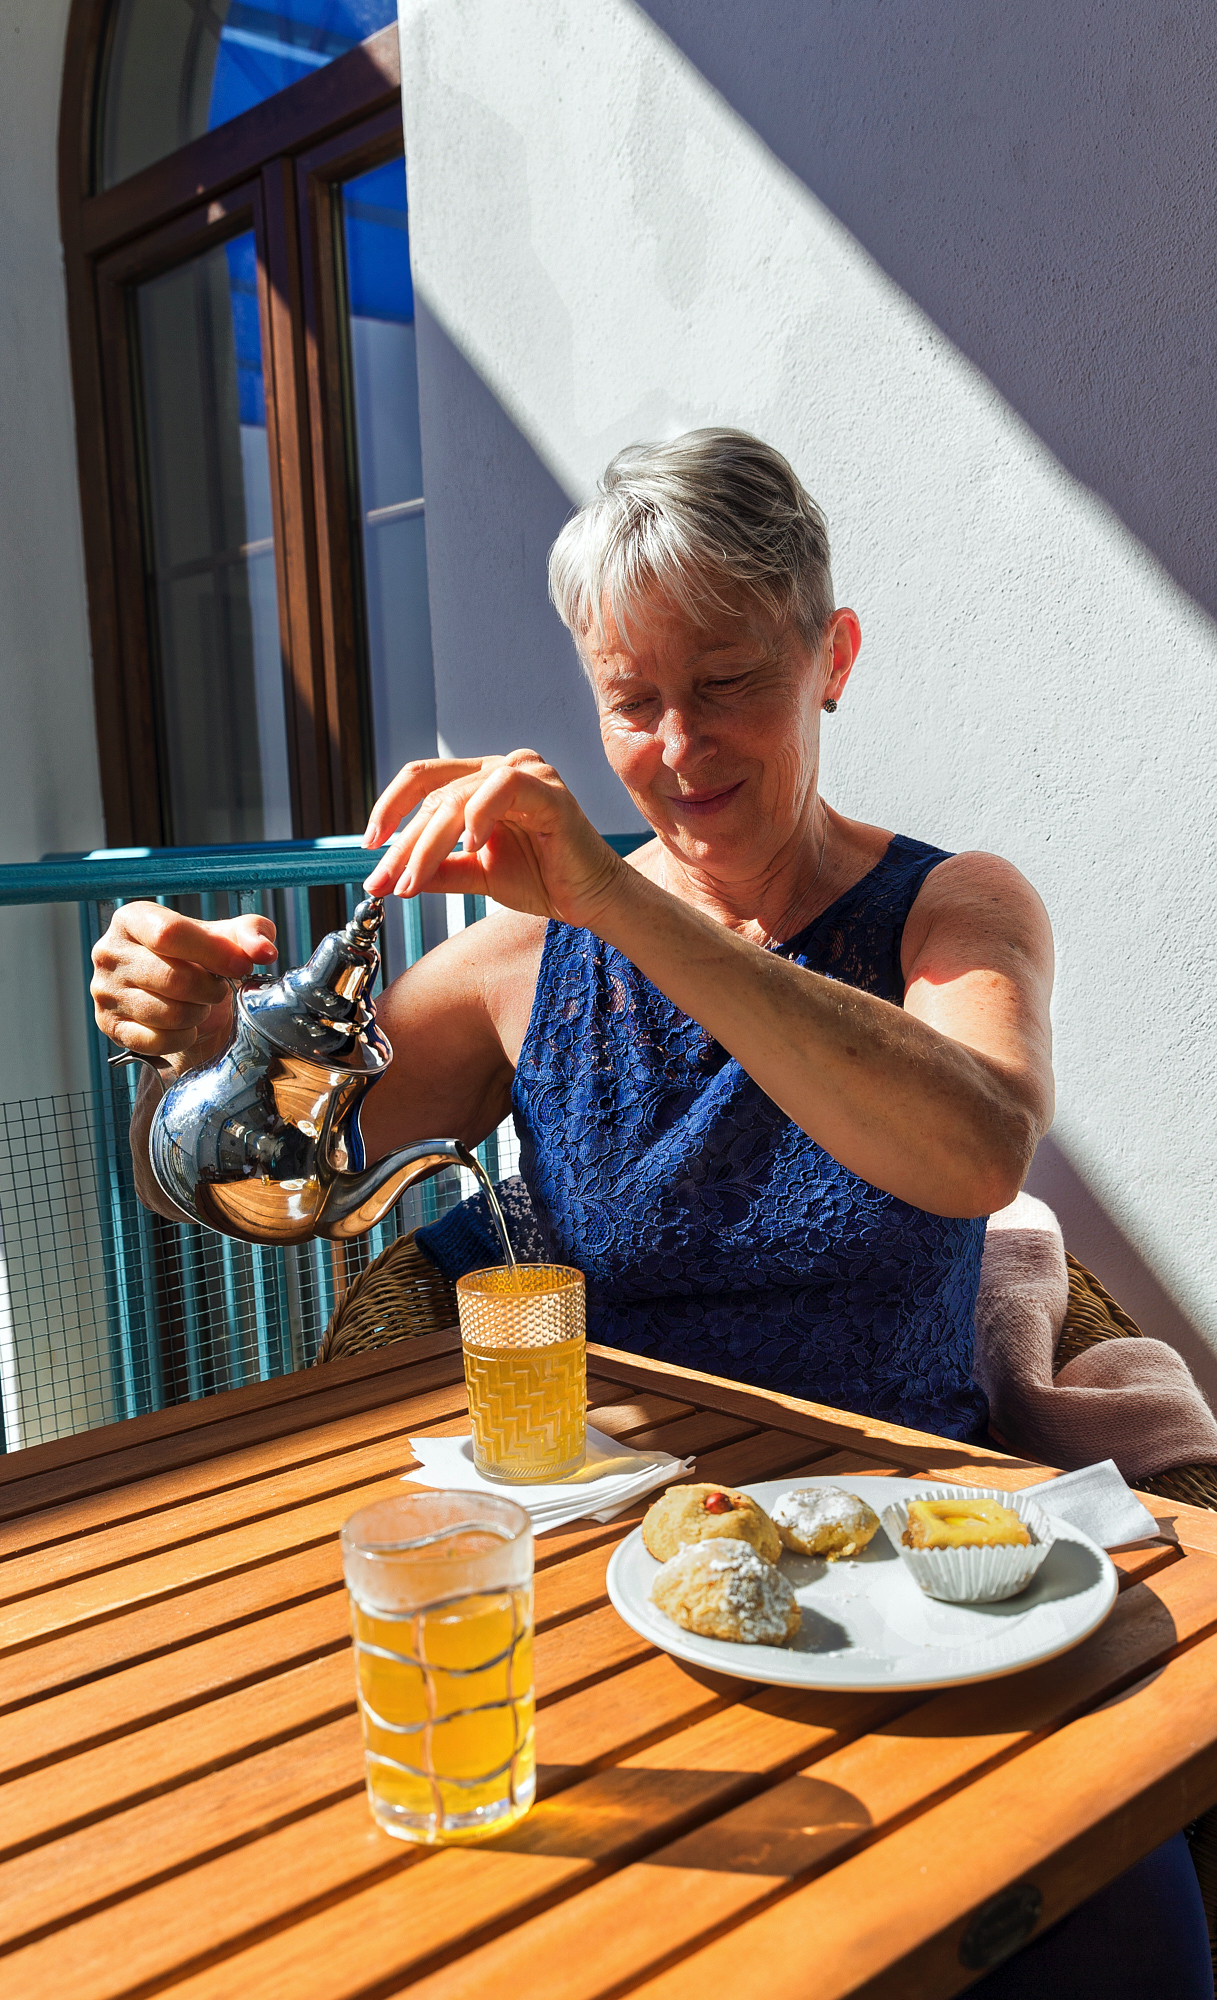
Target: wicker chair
<point>1093,1315</point>
<point>400,1296</point>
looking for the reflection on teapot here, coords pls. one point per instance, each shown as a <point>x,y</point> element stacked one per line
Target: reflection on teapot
<point>264,1143</point>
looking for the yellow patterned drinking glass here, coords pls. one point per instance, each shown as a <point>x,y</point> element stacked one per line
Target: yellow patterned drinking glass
<point>523,1332</point>
<point>440,1588</point>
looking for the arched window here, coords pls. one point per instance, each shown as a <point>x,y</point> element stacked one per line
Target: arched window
<point>234,215</point>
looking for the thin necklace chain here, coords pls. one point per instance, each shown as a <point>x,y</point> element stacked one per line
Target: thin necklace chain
<point>823,848</point>
<point>766,942</point>
<point>773,943</point>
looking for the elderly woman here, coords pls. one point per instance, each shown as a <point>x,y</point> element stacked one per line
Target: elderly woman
<point>771,1074</point>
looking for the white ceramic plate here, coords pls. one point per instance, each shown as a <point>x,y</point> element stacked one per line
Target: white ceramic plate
<point>865,1622</point>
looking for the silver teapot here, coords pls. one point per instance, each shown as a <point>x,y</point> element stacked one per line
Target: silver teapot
<point>264,1143</point>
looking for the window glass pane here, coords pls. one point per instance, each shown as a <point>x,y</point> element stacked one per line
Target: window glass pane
<point>390,477</point>
<point>177,68</point>
<point>211,553</point>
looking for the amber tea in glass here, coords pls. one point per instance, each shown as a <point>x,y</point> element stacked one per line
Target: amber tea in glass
<point>440,1588</point>
<point>524,1341</point>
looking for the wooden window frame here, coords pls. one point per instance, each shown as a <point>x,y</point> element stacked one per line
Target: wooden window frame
<point>320,172</point>
<point>274,166</point>
<point>160,250</point>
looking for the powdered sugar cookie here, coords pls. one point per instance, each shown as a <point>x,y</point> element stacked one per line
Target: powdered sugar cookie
<point>722,1589</point>
<point>824,1521</point>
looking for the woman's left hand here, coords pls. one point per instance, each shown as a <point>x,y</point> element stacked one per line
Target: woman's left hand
<point>527,843</point>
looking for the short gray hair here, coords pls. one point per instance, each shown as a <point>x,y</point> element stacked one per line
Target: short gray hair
<point>693,524</point>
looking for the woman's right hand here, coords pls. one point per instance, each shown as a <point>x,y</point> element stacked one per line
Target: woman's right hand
<point>158,983</point>
<point>527,843</point>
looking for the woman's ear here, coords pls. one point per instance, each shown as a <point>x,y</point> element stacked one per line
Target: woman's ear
<point>843,642</point>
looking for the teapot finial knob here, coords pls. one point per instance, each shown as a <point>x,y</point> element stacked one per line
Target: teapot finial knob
<point>367,919</point>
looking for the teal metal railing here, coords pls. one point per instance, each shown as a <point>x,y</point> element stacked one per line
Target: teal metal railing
<point>106,1310</point>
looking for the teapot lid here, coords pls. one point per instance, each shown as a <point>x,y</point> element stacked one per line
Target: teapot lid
<point>322,1011</point>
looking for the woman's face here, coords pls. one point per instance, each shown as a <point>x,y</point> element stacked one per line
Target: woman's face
<point>715,730</point>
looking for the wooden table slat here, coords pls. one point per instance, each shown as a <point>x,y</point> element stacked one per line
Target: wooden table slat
<point>572,1840</point>
<point>183,1829</point>
<point>110,1549</point>
<point>1056,1816</point>
<point>601,1821</point>
<point>228,1550</point>
<point>159,1626</point>
<point>306,1392</point>
<point>910,1450</point>
<point>628,1412</point>
<point>102,1544</point>
<point>220,1724</point>
<point>182,1804</point>
<point>738,1861</point>
<point>246,1464</point>
<point>95,1710</point>
<point>135,1460</point>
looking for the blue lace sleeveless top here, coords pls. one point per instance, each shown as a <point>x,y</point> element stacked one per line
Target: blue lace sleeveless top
<point>713,1232</point>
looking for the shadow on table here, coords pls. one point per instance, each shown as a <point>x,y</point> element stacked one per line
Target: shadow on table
<point>1068,1569</point>
<point>789,1823</point>
<point>1081,1679</point>
<point>778,1832</point>
<point>990,1466</point>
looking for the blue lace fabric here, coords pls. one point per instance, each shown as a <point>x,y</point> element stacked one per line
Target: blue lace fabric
<point>713,1232</point>
<point>466,1239</point>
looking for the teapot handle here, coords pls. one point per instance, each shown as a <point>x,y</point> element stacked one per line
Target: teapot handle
<point>127,1056</point>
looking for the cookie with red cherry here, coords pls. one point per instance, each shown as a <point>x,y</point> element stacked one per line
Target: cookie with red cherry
<point>699,1513</point>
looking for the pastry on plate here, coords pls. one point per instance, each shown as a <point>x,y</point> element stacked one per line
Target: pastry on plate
<point>722,1589</point>
<point>824,1521</point>
<point>963,1524</point>
<point>688,1514</point>
<point>969,1548</point>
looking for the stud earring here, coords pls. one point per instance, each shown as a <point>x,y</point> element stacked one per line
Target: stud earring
<point>830,706</point>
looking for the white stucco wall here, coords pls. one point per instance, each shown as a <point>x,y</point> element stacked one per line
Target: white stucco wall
<point>606,250</point>
<point>50,796</point>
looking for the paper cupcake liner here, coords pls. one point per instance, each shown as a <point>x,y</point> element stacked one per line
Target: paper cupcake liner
<point>972,1576</point>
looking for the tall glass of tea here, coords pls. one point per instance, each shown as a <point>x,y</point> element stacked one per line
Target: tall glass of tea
<point>523,1332</point>
<point>440,1588</point>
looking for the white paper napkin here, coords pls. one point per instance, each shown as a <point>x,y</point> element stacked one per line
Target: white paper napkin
<point>610,1477</point>
<point>1096,1500</point>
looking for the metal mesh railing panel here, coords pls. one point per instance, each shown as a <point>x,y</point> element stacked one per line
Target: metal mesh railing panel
<point>107,1311</point>
<point>56,1373</point>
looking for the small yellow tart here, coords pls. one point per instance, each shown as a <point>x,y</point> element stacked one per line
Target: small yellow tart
<point>963,1524</point>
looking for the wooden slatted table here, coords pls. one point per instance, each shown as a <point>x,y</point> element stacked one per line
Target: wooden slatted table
<point>183,1807</point>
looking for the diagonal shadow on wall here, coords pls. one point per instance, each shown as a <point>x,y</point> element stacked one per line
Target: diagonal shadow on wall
<point>493,509</point>
<point>1039,181</point>
<point>1028,187</point>
<point>1096,1239</point>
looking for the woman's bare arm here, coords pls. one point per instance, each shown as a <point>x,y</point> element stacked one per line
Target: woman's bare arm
<point>941,1101</point>
<point>151,1089</point>
<point>456,1022</point>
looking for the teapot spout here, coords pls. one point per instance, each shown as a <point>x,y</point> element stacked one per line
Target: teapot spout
<point>355,1202</point>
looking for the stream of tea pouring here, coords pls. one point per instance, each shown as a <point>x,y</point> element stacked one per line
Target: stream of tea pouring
<point>498,1219</point>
